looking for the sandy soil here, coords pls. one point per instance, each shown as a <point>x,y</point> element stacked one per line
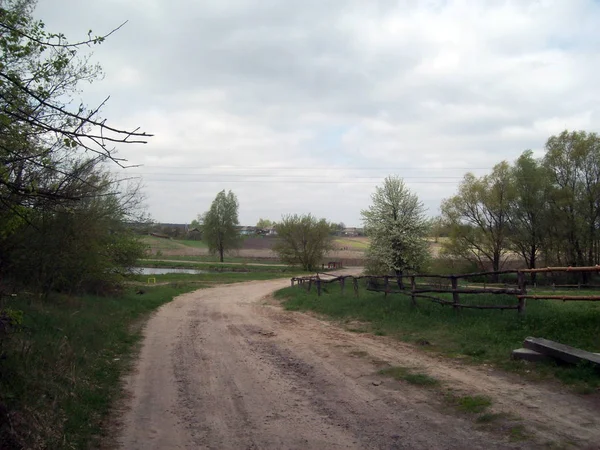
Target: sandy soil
<point>227,368</point>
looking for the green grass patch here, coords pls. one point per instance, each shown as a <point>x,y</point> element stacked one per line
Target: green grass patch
<point>406,374</point>
<point>485,336</point>
<point>473,404</point>
<point>518,433</point>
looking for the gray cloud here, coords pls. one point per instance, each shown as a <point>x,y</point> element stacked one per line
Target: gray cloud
<point>420,88</point>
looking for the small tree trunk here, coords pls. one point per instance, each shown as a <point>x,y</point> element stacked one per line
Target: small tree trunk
<point>532,263</point>
<point>400,280</point>
<point>221,251</point>
<point>496,267</point>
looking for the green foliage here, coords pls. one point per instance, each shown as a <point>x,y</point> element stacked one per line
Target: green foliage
<point>529,211</point>
<point>52,182</point>
<point>548,208</point>
<point>303,240</point>
<point>396,225</point>
<point>572,162</point>
<point>82,247</point>
<point>483,335</point>
<point>479,217</point>
<point>264,223</point>
<point>219,225</point>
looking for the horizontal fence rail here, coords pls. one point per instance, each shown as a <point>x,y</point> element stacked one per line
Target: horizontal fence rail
<point>416,286</point>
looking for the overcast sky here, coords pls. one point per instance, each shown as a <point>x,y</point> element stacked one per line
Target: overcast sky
<point>304,106</point>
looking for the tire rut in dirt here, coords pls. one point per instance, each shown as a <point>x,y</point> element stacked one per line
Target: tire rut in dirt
<point>376,422</point>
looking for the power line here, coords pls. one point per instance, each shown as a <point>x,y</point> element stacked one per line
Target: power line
<point>237,175</point>
<point>246,167</point>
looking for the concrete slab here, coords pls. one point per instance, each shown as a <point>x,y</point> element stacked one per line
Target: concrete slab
<point>560,351</point>
<point>526,354</point>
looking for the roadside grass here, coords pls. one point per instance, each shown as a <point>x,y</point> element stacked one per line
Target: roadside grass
<point>477,336</point>
<point>61,374</point>
<point>408,375</point>
<point>472,404</point>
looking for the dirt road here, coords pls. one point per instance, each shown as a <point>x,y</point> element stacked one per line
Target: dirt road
<point>227,368</point>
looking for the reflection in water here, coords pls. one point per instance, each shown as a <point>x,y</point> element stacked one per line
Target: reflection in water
<point>163,270</point>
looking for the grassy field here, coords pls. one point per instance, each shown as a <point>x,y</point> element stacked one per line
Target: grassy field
<point>60,374</point>
<point>476,335</point>
<point>360,243</point>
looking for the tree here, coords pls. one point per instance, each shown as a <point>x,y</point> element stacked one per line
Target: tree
<point>528,215</point>
<point>303,240</point>
<point>479,217</point>
<point>86,246</point>
<point>50,151</point>
<point>219,224</point>
<point>397,226</point>
<point>573,162</point>
<point>264,223</point>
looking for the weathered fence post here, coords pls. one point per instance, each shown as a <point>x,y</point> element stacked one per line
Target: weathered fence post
<point>355,285</point>
<point>309,284</point>
<point>342,283</point>
<point>318,286</point>
<point>523,289</point>
<point>387,285</point>
<point>413,286</point>
<point>455,295</point>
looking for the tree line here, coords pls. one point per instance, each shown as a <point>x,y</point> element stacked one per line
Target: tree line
<point>545,210</point>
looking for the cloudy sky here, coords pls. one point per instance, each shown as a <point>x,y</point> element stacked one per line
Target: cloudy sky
<point>304,106</point>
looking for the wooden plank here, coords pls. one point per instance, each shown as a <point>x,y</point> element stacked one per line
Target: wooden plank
<point>562,269</point>
<point>561,351</point>
<point>470,291</point>
<point>566,298</point>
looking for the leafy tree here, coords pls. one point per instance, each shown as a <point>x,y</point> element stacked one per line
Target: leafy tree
<point>573,162</point>
<point>303,240</point>
<point>264,223</point>
<point>479,217</point>
<point>397,226</point>
<point>528,214</point>
<point>49,150</point>
<point>219,224</point>
<point>84,246</point>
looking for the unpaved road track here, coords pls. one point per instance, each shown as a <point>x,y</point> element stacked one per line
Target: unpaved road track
<point>226,368</point>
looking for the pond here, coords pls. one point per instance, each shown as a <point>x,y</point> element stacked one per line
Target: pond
<point>164,270</point>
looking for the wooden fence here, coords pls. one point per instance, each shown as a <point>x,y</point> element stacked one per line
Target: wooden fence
<point>412,285</point>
